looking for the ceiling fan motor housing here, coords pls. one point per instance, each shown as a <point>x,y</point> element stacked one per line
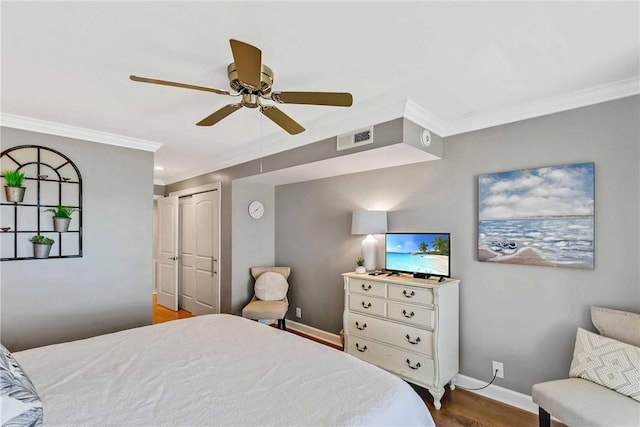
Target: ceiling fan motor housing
<point>266,80</point>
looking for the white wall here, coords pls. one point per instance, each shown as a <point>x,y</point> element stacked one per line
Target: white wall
<point>109,288</point>
<point>253,239</point>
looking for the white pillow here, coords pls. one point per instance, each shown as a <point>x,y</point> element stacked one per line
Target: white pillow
<point>271,286</point>
<point>607,362</point>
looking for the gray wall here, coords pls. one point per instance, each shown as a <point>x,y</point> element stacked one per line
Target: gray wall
<point>253,239</point>
<point>109,288</point>
<point>385,134</point>
<point>523,316</point>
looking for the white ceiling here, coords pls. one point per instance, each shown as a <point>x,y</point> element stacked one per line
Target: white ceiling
<point>462,66</point>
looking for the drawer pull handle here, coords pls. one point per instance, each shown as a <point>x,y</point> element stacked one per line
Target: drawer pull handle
<point>363,349</point>
<point>408,316</point>
<point>367,288</point>
<point>417,365</point>
<point>364,326</point>
<point>367,305</point>
<point>408,295</point>
<point>412,342</point>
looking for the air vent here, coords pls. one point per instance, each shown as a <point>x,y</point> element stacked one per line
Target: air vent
<point>355,139</point>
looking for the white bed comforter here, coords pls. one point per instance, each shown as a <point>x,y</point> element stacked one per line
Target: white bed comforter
<point>214,370</point>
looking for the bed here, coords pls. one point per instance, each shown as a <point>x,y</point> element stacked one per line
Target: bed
<point>214,370</point>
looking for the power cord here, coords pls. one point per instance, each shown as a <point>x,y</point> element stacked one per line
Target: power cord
<point>495,374</point>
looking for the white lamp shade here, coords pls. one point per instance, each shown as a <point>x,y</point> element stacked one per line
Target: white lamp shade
<point>369,222</point>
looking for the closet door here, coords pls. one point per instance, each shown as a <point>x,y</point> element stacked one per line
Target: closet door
<point>168,252</point>
<point>200,237</point>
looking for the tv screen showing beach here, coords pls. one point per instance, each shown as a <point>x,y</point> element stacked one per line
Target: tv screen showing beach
<point>418,253</point>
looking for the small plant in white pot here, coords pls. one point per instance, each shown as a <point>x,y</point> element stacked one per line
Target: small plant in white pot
<point>61,218</point>
<point>360,268</point>
<point>14,189</point>
<point>41,246</point>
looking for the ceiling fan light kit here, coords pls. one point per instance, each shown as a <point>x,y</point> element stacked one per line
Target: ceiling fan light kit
<point>253,81</point>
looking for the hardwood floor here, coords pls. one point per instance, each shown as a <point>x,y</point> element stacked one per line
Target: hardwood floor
<point>464,408</point>
<point>162,314</point>
<point>460,408</point>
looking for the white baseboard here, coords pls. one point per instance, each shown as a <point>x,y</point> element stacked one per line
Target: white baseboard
<point>314,332</point>
<point>501,394</point>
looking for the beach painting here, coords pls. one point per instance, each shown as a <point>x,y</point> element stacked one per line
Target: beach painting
<point>539,216</point>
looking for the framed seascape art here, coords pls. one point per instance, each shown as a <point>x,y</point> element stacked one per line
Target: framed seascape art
<point>539,216</point>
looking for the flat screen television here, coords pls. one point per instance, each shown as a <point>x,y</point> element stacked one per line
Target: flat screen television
<point>421,253</point>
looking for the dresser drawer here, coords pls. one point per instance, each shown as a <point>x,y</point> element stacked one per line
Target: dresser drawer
<point>364,304</point>
<point>411,314</point>
<point>368,287</point>
<point>412,295</point>
<point>402,362</point>
<point>405,336</point>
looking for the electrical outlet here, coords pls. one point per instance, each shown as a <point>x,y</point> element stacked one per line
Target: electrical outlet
<point>498,366</point>
<point>298,312</point>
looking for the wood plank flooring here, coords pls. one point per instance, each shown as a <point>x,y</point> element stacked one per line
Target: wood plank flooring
<point>162,314</point>
<point>460,408</point>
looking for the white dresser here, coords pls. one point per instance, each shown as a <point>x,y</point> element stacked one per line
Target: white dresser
<point>404,325</point>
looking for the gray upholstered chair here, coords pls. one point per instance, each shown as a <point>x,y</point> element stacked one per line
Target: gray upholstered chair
<point>270,295</point>
<point>579,402</point>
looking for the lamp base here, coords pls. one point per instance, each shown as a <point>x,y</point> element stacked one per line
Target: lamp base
<point>369,252</point>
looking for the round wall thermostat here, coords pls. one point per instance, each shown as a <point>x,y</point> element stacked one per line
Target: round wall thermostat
<point>425,138</point>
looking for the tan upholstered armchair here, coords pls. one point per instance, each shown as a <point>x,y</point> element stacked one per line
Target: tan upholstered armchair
<point>270,295</point>
<point>603,388</point>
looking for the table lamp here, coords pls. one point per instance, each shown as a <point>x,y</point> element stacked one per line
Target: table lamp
<point>369,223</point>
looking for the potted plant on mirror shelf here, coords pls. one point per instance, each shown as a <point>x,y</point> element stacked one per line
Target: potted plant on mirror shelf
<point>360,268</point>
<point>41,246</point>
<point>14,189</point>
<point>61,218</point>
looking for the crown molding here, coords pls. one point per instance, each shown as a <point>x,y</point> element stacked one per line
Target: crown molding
<point>570,101</point>
<point>325,127</point>
<point>59,129</point>
<point>425,118</point>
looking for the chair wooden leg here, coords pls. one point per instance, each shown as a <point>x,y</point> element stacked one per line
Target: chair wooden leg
<point>284,325</point>
<point>544,418</point>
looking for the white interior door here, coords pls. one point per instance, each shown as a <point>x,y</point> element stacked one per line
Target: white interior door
<point>187,249</point>
<point>199,253</point>
<point>168,252</point>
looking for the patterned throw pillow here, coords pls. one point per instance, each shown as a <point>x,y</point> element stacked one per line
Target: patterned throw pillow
<point>607,362</point>
<point>19,402</point>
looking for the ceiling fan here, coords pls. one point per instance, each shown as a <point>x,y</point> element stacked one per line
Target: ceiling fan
<point>253,80</point>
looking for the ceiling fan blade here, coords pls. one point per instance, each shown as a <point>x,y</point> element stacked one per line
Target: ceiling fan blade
<point>248,60</point>
<point>281,119</point>
<point>340,99</point>
<point>219,115</point>
<point>183,85</point>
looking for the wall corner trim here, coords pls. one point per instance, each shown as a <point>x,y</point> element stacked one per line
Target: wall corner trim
<point>570,101</point>
<point>59,129</point>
